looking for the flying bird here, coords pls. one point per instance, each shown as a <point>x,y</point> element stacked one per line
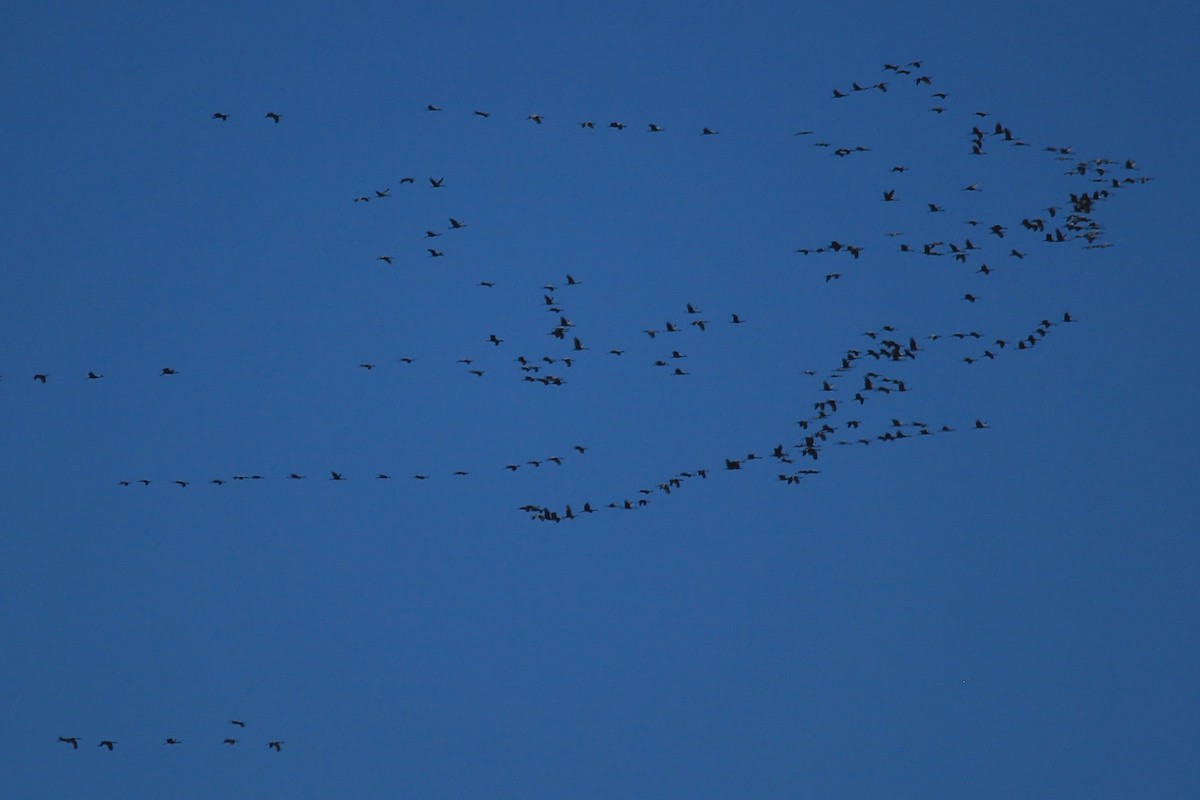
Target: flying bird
<point>273,116</point>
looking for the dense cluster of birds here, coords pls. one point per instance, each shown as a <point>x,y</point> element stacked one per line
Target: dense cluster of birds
<point>983,246</point>
<point>110,745</point>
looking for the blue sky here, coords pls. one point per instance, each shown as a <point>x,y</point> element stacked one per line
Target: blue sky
<point>997,612</point>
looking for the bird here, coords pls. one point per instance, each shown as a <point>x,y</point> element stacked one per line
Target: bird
<point>455,224</point>
<point>432,107</point>
<point>435,253</point>
<point>276,746</point>
<point>107,743</point>
<point>237,722</point>
<point>172,740</point>
<point>654,129</point>
<point>736,320</point>
<point>536,118</point>
<point>709,132</point>
<point>168,371</point>
<point>618,125</point>
<point>387,259</point>
<point>484,114</point>
<point>40,377</point>
<point>220,116</point>
<point>889,196</point>
<point>71,740</point>
<point>273,116</point>
<point>336,476</point>
<point>436,183</point>
<point>230,741</point>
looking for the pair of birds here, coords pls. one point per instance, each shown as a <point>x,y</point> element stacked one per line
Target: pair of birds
<point>271,115</point>
<point>74,742</point>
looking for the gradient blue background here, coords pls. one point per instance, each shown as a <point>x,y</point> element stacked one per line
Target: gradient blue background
<point>999,613</point>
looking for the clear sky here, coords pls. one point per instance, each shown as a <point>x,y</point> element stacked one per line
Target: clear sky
<point>1000,603</point>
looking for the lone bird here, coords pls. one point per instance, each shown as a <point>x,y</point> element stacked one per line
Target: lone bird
<point>273,116</point>
<point>107,743</point>
<point>220,116</point>
<point>71,740</point>
<point>276,746</point>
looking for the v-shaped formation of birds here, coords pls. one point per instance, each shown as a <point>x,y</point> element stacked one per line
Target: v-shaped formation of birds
<point>661,348</point>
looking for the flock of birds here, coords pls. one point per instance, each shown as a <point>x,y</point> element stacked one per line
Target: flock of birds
<point>229,741</point>
<point>985,246</point>
<point>868,373</point>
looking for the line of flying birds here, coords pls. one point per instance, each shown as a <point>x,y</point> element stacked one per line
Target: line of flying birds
<point>110,744</point>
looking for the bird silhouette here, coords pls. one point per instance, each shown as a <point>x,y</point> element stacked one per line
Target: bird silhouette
<point>272,116</point>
